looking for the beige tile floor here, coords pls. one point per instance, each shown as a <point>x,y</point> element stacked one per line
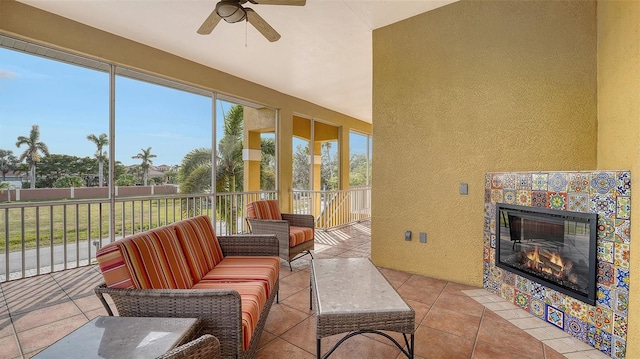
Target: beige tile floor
<point>452,320</point>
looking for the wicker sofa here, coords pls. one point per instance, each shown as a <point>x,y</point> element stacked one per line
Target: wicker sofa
<point>185,270</point>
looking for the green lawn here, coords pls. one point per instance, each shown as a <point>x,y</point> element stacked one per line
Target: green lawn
<point>69,221</point>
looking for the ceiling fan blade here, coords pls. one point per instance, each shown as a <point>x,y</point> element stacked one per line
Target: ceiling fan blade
<point>258,22</point>
<point>279,2</point>
<point>209,24</point>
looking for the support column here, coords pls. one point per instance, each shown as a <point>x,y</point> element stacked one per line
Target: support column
<point>251,154</point>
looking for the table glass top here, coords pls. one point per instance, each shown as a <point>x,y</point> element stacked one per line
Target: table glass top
<point>121,337</point>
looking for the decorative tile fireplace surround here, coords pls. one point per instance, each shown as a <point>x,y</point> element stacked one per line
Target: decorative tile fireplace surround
<point>608,194</point>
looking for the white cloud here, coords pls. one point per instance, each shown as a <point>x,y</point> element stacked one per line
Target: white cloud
<point>4,74</point>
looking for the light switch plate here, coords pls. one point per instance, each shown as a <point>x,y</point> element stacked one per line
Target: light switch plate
<point>423,237</point>
<point>464,188</point>
<point>407,235</point>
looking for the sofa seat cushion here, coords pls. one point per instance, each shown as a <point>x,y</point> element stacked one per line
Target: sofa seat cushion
<point>246,268</point>
<point>200,245</point>
<point>253,298</point>
<point>267,209</point>
<point>147,260</point>
<point>299,235</point>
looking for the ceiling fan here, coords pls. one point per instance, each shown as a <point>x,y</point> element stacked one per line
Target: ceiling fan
<point>232,11</point>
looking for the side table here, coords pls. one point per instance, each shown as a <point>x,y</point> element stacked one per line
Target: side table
<point>123,337</point>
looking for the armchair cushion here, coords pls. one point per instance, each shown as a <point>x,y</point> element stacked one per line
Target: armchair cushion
<point>267,209</point>
<point>246,268</point>
<point>253,298</point>
<point>299,235</point>
<point>201,247</point>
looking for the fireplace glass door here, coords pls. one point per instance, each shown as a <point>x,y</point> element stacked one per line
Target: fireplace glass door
<point>554,248</point>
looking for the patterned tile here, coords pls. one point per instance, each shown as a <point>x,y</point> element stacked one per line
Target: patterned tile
<point>523,181</point>
<point>603,297</point>
<point>601,318</point>
<point>621,255</point>
<point>606,228</point>
<point>487,195</point>
<point>523,197</point>
<point>510,181</point>
<point>578,202</point>
<point>554,316</point>
<point>497,181</point>
<point>487,181</point>
<point>539,199</point>
<point>509,278</point>
<point>539,181</point>
<point>603,204</point>
<point>622,278</point>
<point>537,308</point>
<point>623,210</point>
<point>523,284</point>
<point>621,306</point>
<point>576,308</point>
<point>619,348</point>
<point>557,200</point>
<point>509,196</point>
<point>575,327</point>
<point>496,196</point>
<point>620,325</point>
<point>507,292</point>
<point>623,230</point>
<point>522,300</point>
<point>538,291</point>
<point>558,182</point>
<point>623,184</point>
<point>605,274</point>
<point>555,299</point>
<point>599,339</point>
<point>605,251</point>
<point>604,183</point>
<point>579,182</point>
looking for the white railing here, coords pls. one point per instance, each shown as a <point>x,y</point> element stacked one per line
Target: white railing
<point>45,237</point>
<point>333,209</point>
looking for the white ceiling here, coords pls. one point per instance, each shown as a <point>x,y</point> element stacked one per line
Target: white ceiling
<point>324,55</point>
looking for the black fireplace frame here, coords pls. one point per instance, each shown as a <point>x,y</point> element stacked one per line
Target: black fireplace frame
<point>557,215</point>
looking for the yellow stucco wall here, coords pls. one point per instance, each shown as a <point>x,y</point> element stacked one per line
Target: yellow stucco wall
<point>470,88</point>
<point>619,124</point>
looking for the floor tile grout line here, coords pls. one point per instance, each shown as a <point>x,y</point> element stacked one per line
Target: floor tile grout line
<point>475,342</point>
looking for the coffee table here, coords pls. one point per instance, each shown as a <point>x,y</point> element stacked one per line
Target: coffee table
<point>123,337</point>
<point>350,295</point>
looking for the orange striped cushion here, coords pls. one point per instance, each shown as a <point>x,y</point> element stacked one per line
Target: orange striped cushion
<point>155,260</point>
<point>200,245</point>
<point>299,235</point>
<point>252,298</point>
<point>263,269</point>
<point>114,270</point>
<point>268,209</point>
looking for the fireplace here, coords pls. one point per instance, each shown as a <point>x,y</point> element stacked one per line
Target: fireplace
<point>552,247</point>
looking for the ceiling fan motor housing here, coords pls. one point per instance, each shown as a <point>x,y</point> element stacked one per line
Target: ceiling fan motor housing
<point>231,11</point>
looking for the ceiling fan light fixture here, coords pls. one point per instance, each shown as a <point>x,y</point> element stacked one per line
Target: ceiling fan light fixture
<point>230,11</point>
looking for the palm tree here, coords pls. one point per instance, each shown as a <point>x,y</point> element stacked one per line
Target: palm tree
<point>8,162</point>
<point>146,157</point>
<point>100,141</point>
<point>230,167</point>
<point>32,154</point>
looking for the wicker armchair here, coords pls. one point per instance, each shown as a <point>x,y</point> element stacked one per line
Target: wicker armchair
<point>264,217</point>
<point>219,309</point>
<point>205,347</point>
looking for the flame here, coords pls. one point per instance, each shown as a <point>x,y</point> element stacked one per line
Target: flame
<point>536,263</point>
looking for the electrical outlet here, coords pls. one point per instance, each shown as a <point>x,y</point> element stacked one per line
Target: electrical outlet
<point>407,235</point>
<point>423,237</point>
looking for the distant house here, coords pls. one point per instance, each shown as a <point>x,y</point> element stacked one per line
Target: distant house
<point>14,180</point>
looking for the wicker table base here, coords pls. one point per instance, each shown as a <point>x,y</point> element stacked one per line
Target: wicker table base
<point>350,295</point>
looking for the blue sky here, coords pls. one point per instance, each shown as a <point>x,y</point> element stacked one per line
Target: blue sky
<point>70,102</point>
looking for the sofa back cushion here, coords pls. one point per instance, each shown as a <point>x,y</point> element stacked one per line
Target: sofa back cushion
<point>268,209</point>
<point>199,243</point>
<point>148,260</point>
